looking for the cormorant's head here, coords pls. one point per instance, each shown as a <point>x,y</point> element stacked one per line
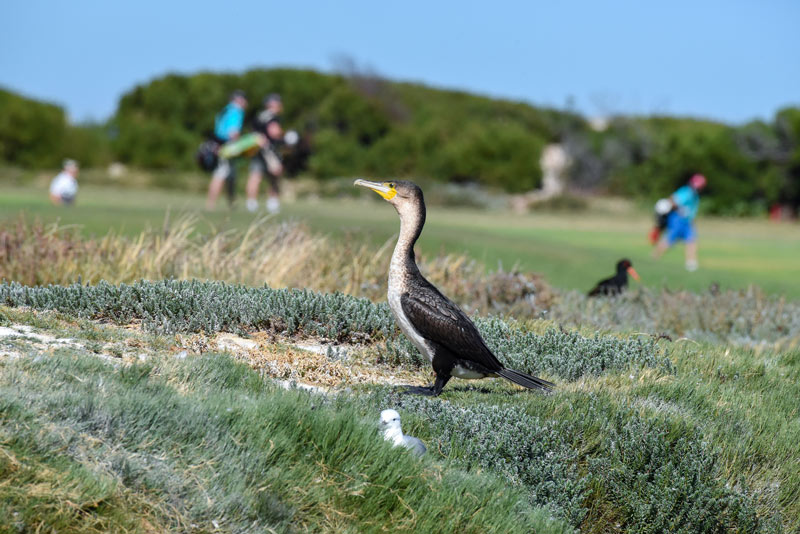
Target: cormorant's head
<point>625,265</point>
<point>390,419</point>
<point>405,196</point>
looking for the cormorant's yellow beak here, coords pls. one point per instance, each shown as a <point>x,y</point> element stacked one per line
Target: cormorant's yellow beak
<point>385,189</point>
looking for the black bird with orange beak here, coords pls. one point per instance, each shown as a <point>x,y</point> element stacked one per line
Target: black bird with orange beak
<point>434,324</point>
<point>617,283</point>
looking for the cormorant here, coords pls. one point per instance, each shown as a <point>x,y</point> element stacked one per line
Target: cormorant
<point>390,424</point>
<point>617,283</point>
<point>435,325</point>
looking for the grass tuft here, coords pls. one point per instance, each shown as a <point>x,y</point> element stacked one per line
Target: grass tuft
<point>200,444</point>
<point>265,252</point>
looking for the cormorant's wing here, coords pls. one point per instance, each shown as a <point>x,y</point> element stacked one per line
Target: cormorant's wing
<point>436,318</point>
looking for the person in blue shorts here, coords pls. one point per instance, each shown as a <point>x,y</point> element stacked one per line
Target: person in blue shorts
<point>680,221</point>
<point>227,127</point>
<point>268,159</point>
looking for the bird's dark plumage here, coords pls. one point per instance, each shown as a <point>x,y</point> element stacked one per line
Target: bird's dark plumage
<point>617,283</point>
<point>434,324</point>
<point>436,318</point>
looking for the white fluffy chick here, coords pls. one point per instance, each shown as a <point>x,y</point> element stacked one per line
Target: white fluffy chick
<point>390,424</point>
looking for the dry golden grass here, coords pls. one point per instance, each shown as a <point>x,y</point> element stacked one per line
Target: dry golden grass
<point>275,254</point>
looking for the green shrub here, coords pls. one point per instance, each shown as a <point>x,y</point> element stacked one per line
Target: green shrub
<point>659,452</point>
<point>362,125</point>
<point>192,306</point>
<point>564,354</point>
<point>31,132</point>
<point>585,457</point>
<point>668,484</point>
<point>744,317</point>
<point>35,134</point>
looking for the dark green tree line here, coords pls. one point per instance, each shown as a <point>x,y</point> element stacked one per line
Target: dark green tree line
<point>363,125</point>
<point>36,134</point>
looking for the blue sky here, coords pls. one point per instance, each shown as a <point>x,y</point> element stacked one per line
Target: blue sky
<point>727,60</point>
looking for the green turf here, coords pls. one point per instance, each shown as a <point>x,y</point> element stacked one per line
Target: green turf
<point>204,445</point>
<point>87,443</point>
<point>572,250</point>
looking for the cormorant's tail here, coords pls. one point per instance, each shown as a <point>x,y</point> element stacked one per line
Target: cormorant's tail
<point>526,381</point>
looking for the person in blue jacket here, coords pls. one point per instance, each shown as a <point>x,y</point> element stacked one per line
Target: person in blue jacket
<point>227,127</point>
<point>680,221</point>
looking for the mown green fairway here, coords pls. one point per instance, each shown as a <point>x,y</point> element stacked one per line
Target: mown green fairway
<point>571,250</point>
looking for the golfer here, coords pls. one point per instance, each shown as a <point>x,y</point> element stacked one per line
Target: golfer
<point>64,187</point>
<point>680,221</point>
<point>227,127</point>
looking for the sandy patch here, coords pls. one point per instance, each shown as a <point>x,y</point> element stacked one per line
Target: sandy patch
<point>34,340</point>
<point>302,364</point>
<point>23,330</point>
<point>39,342</point>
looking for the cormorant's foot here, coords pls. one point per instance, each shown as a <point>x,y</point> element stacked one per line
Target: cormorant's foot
<point>420,390</point>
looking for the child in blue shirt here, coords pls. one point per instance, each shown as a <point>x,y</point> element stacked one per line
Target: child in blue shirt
<point>680,221</point>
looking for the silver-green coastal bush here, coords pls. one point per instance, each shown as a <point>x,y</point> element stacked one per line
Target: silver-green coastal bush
<point>565,354</point>
<point>746,317</point>
<point>194,306</point>
<point>653,474</point>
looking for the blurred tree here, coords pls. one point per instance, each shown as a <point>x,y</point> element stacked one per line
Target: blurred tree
<point>35,134</point>
<point>355,123</point>
<point>31,132</point>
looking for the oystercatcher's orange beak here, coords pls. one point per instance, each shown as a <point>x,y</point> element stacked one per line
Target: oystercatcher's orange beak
<point>634,274</point>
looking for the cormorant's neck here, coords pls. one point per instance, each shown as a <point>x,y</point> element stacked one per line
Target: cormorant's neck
<point>412,219</point>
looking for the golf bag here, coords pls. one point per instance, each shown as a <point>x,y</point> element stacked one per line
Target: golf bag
<point>206,155</point>
<point>662,210</point>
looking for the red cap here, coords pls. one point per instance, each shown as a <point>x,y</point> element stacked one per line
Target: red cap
<point>697,181</point>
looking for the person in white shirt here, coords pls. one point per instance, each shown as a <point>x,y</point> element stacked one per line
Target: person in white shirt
<point>64,186</point>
